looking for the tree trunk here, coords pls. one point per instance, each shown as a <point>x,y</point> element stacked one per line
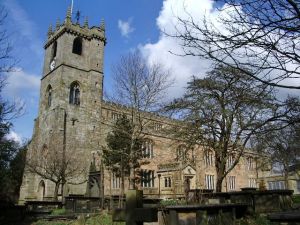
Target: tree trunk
<point>220,169</point>
<point>122,191</point>
<point>122,185</point>
<point>131,177</point>
<point>286,179</point>
<point>56,192</point>
<point>62,192</point>
<point>219,184</point>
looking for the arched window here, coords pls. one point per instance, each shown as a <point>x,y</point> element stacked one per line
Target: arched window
<point>181,152</point>
<point>208,158</point>
<point>54,50</point>
<point>44,150</point>
<point>74,94</point>
<point>77,46</point>
<point>49,96</point>
<point>147,149</point>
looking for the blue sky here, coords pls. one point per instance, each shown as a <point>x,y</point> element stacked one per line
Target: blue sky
<point>131,24</point>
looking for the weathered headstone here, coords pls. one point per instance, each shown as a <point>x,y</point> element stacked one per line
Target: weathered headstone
<point>134,213</point>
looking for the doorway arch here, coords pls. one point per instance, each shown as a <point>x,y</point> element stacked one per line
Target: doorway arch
<point>41,190</point>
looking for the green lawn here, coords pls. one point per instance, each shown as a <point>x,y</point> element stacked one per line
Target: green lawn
<point>103,219</point>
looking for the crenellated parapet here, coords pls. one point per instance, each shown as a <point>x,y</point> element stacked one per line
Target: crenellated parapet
<point>83,31</point>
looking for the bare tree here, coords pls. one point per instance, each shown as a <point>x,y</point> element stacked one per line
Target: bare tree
<point>141,87</point>
<point>7,61</point>
<point>282,146</point>
<point>58,163</point>
<point>9,110</point>
<point>223,111</point>
<point>258,36</point>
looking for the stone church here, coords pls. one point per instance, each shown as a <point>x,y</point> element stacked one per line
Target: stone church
<point>74,118</point>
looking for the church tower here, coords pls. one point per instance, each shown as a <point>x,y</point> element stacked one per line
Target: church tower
<point>69,114</point>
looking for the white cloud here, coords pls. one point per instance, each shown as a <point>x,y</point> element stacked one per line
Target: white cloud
<point>21,84</point>
<point>14,136</point>
<point>182,68</point>
<point>125,27</point>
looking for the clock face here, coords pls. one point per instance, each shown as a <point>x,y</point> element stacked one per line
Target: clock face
<point>52,64</point>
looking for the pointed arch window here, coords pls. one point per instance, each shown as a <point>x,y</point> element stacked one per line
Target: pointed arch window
<point>49,96</point>
<point>147,149</point>
<point>181,152</point>
<point>77,46</point>
<point>74,94</point>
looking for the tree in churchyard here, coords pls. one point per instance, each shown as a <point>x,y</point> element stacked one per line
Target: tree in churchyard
<point>140,86</point>
<point>283,148</point>
<point>223,111</point>
<point>119,154</point>
<point>16,170</point>
<point>58,162</point>
<point>258,38</point>
<point>7,150</point>
<point>8,110</point>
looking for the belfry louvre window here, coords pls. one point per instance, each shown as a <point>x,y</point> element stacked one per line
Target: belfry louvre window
<point>54,50</point>
<point>49,96</point>
<point>147,178</point>
<point>74,94</point>
<point>77,46</point>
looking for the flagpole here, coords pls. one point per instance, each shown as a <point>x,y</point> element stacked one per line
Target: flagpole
<point>71,7</point>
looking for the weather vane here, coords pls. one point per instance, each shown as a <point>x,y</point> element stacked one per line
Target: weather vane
<point>77,16</point>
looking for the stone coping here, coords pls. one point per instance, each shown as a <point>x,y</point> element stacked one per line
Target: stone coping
<point>252,192</point>
<point>285,216</point>
<point>43,203</point>
<point>208,206</point>
<point>82,198</point>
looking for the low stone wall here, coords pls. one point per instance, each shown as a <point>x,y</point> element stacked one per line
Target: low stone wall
<point>260,201</point>
<point>42,207</point>
<point>264,201</point>
<point>81,204</point>
<point>202,214</point>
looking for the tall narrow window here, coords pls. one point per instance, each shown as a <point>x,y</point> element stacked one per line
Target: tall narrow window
<point>116,181</point>
<point>49,96</point>
<point>208,158</point>
<point>230,160</point>
<point>147,149</point>
<point>209,182</point>
<point>168,182</point>
<point>75,94</point>
<point>181,152</point>
<point>77,46</point>
<point>231,183</point>
<point>252,182</point>
<point>250,163</point>
<point>147,178</point>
